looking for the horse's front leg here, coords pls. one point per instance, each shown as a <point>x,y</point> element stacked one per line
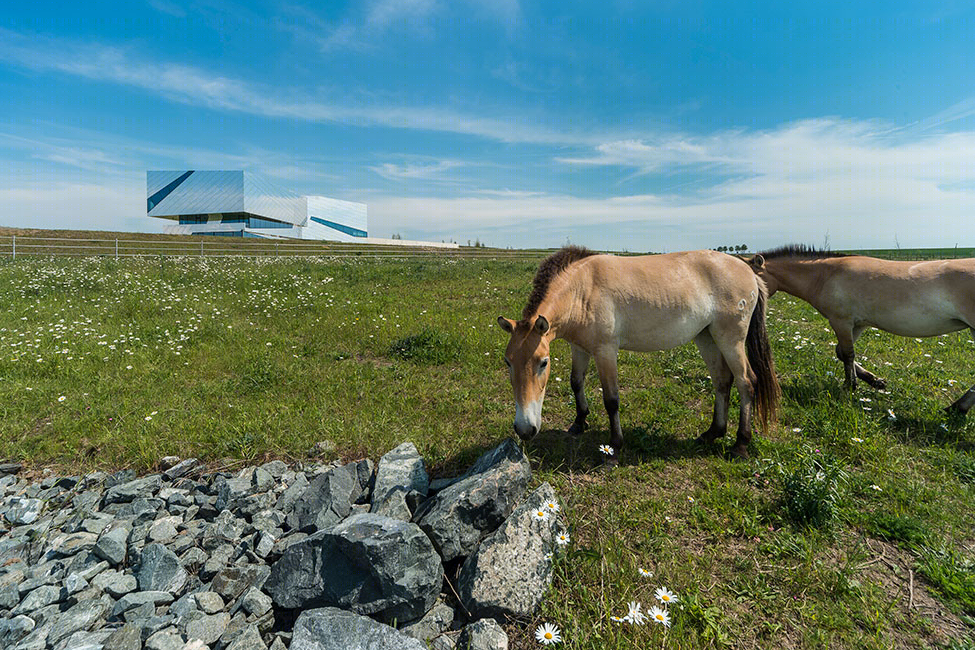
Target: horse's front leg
<point>609,380</point>
<point>580,364</point>
<point>846,353</point>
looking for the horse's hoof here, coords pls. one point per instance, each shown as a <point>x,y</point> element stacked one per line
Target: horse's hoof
<point>708,437</point>
<point>739,451</point>
<point>576,429</point>
<point>878,383</point>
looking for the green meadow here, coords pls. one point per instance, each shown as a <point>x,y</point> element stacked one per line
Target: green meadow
<point>851,526</point>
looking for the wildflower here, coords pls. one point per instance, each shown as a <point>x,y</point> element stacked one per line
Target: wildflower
<point>634,615</point>
<point>148,417</point>
<point>606,449</point>
<point>690,499</point>
<point>644,573</point>
<point>617,619</point>
<point>668,519</point>
<point>855,439</point>
<point>552,507</point>
<point>62,398</point>
<point>876,488</point>
<point>665,596</point>
<point>562,539</point>
<point>547,634</point>
<point>660,616</point>
<point>540,515</point>
<point>796,430</point>
<point>890,415</point>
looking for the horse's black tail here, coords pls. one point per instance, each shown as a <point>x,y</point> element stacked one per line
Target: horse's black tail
<point>766,400</point>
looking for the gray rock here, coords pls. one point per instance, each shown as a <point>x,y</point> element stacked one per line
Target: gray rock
<point>446,641</point>
<point>233,581</point>
<point>160,570</point>
<point>459,516</point>
<point>510,571</point>
<point>433,624</point>
<point>86,615</point>
<point>400,469</point>
<point>256,602</point>
<point>249,639</point>
<point>393,505</point>
<point>484,634</point>
<point>368,563</point>
<point>209,602</point>
<point>9,596</point>
<point>20,511</point>
<point>165,640</point>
<point>163,530</point>
<point>75,583</point>
<point>113,543</point>
<point>85,640</point>
<point>142,488</point>
<point>286,502</point>
<point>140,598</point>
<point>335,629</point>
<point>40,597</point>
<point>115,583</point>
<point>127,637</point>
<point>326,501</point>
<point>365,475</point>
<point>72,544</point>
<point>205,627</point>
<point>36,640</point>
<point>14,629</point>
<point>225,529</point>
<point>10,468</point>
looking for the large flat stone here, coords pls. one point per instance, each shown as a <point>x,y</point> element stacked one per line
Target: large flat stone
<point>335,629</point>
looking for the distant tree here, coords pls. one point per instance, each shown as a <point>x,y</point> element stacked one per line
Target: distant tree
<point>397,236</point>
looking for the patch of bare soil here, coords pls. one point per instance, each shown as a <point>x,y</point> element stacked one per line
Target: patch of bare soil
<point>892,569</point>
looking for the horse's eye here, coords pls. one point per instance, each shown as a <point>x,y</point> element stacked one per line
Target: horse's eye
<point>543,365</point>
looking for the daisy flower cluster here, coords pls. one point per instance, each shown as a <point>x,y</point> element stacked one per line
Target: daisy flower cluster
<point>658,613</point>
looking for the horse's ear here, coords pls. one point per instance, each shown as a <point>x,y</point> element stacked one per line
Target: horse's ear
<point>757,262</point>
<point>507,325</point>
<point>541,324</point>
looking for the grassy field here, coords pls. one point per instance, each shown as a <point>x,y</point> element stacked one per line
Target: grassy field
<point>851,527</point>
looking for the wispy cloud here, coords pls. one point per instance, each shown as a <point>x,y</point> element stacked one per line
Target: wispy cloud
<point>422,171</point>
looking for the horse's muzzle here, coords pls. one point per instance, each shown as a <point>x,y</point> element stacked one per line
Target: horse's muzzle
<point>525,431</point>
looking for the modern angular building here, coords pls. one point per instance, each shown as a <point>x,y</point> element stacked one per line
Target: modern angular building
<point>244,204</point>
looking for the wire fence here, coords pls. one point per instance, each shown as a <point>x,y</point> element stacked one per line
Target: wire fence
<point>21,246</point>
<point>18,246</point>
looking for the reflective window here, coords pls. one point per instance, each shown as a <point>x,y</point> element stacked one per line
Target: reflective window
<point>258,222</point>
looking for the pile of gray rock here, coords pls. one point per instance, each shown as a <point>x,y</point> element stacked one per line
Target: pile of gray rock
<point>312,557</point>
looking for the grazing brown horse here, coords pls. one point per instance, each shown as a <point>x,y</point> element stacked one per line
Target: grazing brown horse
<point>602,304</point>
<point>855,292</point>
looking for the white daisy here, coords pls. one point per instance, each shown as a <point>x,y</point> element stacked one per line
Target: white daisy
<point>552,506</point>
<point>540,515</point>
<point>854,439</point>
<point>877,488</point>
<point>62,398</point>
<point>547,634</point>
<point>659,615</point>
<point>634,615</point>
<point>562,539</point>
<point>606,449</point>
<point>665,596</point>
<point>643,572</point>
<point>617,619</point>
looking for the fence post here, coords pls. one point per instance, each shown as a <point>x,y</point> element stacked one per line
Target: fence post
<point>277,253</point>
<point>116,248</point>
<point>201,248</point>
<point>14,256</point>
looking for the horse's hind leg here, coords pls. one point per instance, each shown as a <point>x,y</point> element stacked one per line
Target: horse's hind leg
<point>964,403</point>
<point>846,337</point>
<point>580,364</point>
<point>721,379</point>
<point>732,347</point>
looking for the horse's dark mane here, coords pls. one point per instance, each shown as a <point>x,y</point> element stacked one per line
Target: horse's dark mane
<point>800,251</point>
<point>548,270</point>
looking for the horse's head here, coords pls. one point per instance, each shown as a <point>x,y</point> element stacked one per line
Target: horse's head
<point>528,366</point>
<point>757,264</point>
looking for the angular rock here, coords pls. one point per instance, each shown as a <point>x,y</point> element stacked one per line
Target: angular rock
<point>127,637</point>
<point>326,501</point>
<point>249,639</point>
<point>86,615</point>
<point>160,570</point>
<point>256,602</point>
<point>142,488</point>
<point>206,627</point>
<point>484,634</point>
<point>40,597</point>
<point>335,629</point>
<point>400,469</point>
<point>22,511</point>
<point>433,624</point>
<point>509,572</point>
<point>209,602</point>
<point>233,581</point>
<point>165,640</point>
<point>14,629</point>
<point>140,598</point>
<point>459,516</point>
<point>368,563</point>
<point>115,583</point>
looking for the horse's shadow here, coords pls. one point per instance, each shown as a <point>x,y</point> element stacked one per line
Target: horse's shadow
<point>555,450</point>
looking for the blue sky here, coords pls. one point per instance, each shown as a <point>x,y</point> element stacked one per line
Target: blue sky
<point>618,125</point>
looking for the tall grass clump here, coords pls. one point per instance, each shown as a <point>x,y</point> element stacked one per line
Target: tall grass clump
<point>811,489</point>
<point>429,346</point>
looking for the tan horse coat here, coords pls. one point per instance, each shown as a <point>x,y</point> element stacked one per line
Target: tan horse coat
<point>857,292</point>
<point>601,304</point>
